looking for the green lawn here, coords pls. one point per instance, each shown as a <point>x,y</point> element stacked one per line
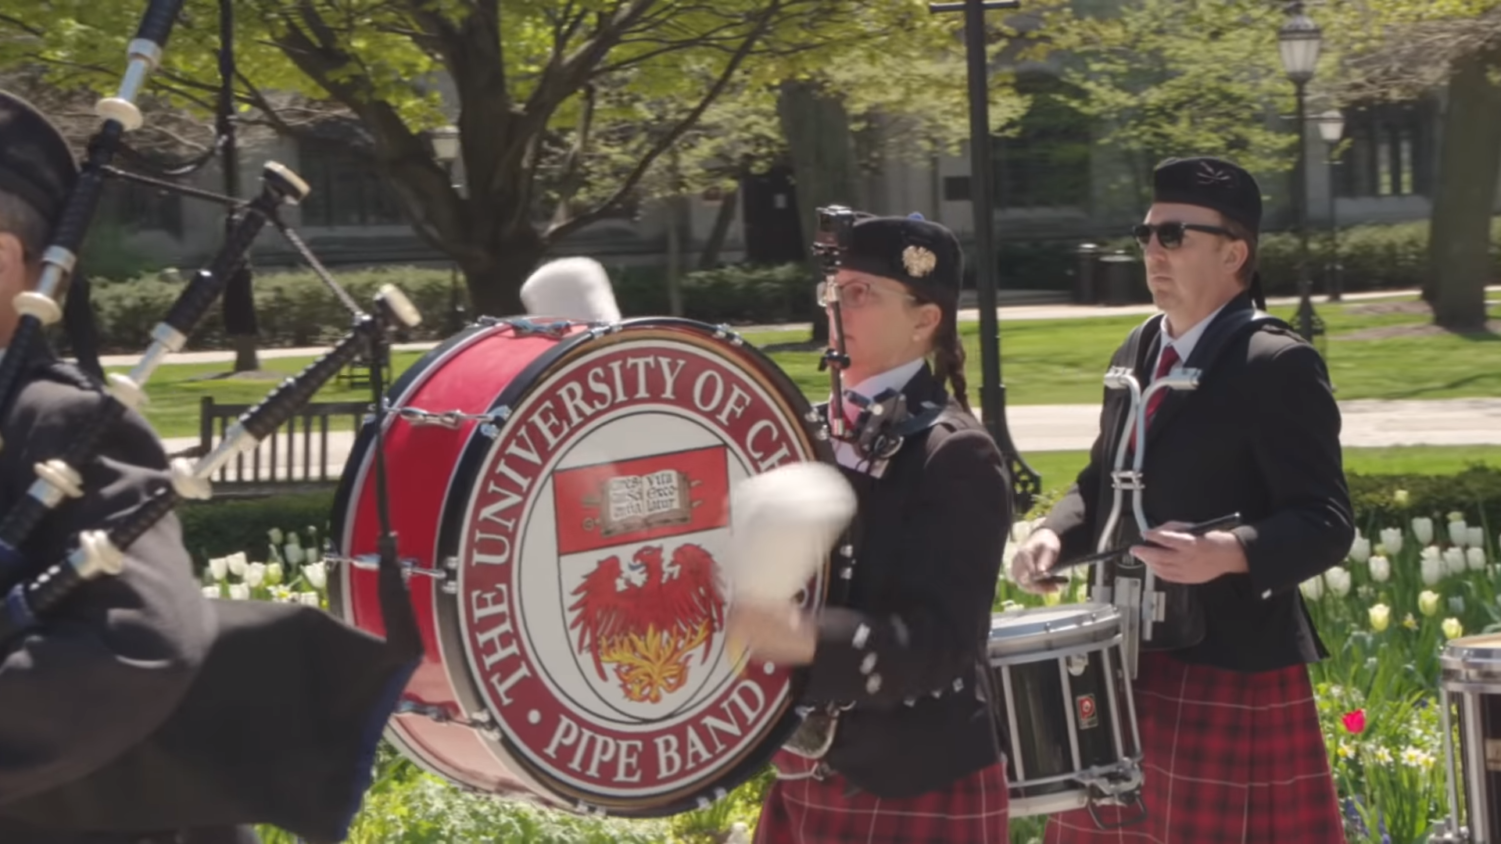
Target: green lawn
<point>1042,361</point>
<point>1059,468</point>
<point>1062,361</point>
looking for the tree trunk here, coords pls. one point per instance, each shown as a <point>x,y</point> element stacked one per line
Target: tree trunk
<point>728,206</point>
<point>1465,196</point>
<point>495,283</point>
<point>676,216</point>
<point>822,149</point>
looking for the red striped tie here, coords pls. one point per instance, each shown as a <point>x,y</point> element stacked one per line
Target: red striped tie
<point>1169,360</point>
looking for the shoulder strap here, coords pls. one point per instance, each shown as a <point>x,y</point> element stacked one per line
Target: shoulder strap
<point>1218,337</point>
<point>1150,328</point>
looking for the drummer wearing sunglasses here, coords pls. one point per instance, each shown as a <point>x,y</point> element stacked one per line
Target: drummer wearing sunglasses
<point>899,647</point>
<point>1230,731</point>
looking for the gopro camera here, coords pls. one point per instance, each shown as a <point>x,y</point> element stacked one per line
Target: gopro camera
<point>836,231</point>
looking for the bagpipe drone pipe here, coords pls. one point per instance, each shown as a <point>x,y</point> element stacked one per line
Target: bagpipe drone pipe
<point>33,587</point>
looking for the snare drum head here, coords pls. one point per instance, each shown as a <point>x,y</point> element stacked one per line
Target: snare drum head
<point>585,616</point>
<point>1034,629</point>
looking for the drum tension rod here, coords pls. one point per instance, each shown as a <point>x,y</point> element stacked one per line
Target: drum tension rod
<point>448,574</point>
<point>453,419</point>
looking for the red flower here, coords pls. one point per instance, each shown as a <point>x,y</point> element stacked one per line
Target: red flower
<point>1355,721</point>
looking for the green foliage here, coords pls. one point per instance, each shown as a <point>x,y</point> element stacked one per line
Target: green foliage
<point>1178,76</point>
<point>1475,491</point>
<point>217,528</point>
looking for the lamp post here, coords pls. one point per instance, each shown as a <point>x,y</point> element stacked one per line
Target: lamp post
<point>445,143</point>
<point>1026,483</point>
<point>1300,40</point>
<point>1332,128</point>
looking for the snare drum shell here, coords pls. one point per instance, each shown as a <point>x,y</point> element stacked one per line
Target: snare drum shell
<point>432,471</point>
<point>1064,706</point>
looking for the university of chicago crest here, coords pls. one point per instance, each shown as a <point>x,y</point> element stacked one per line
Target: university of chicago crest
<point>589,595</point>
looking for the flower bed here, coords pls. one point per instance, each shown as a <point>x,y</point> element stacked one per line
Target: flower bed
<point>1416,576</point>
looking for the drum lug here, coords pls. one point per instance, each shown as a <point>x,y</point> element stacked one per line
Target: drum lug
<point>523,327</point>
<point>724,332</point>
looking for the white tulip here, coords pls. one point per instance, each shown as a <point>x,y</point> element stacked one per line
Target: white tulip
<point>1457,605</point>
<point>211,592</point>
<point>1454,560</point>
<point>1459,533</point>
<point>1476,539</point>
<point>1338,580</point>
<point>316,574</point>
<point>1391,539</point>
<point>310,599</point>
<point>237,563</point>
<point>239,592</point>
<point>276,536</point>
<point>1432,566</point>
<point>219,568</point>
<point>1476,558</point>
<point>294,554</point>
<point>1381,569</point>
<point>1360,549</point>
<point>255,574</point>
<point>1313,588</point>
<point>1422,528</point>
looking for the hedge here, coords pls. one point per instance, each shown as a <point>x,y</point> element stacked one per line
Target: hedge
<point>217,528</point>
<point>296,309</point>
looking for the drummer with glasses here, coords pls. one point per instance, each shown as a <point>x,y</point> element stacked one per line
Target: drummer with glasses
<point>1233,751</point>
<point>899,649</point>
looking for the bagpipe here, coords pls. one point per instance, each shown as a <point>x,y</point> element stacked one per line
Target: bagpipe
<point>34,587</point>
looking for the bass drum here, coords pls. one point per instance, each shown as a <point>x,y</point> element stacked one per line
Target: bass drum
<point>559,495</point>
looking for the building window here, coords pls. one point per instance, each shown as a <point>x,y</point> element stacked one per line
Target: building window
<point>1388,151</point>
<point>1046,162</point>
<point>345,189</point>
<point>141,208</point>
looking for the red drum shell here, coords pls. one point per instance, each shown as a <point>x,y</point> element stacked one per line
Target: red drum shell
<point>574,649</point>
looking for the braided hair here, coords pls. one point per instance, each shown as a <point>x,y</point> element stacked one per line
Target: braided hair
<point>948,352</point>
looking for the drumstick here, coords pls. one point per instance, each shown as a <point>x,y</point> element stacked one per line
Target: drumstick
<point>1196,529</point>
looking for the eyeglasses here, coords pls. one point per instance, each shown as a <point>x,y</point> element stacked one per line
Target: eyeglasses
<point>1170,235</point>
<point>853,294</point>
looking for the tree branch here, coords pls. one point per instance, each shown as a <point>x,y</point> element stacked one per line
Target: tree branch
<point>558,231</point>
<point>23,26</point>
<point>569,181</point>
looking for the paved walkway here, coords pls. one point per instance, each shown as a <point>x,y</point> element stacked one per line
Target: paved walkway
<point>1073,427</point>
<point>1005,313</point>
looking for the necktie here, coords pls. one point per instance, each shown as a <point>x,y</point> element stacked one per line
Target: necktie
<point>1164,366</point>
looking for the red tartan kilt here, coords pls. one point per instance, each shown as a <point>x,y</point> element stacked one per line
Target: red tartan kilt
<point>1228,758</point>
<point>970,810</point>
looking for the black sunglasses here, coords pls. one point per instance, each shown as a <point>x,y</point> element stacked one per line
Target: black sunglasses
<point>1170,235</point>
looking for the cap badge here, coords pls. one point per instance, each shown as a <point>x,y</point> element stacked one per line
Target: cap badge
<point>1210,175</point>
<point>919,261</point>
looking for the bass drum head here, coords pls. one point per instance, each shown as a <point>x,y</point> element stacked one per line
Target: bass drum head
<point>581,625</point>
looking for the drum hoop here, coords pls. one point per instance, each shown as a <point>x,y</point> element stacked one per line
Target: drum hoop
<point>1006,660</point>
<point>455,502</point>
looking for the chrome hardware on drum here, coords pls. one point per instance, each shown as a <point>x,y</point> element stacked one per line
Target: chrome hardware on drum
<point>568,516</point>
<point>1470,678</point>
<point>1065,709</point>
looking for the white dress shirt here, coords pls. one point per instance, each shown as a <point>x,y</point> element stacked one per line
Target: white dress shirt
<point>1185,342</point>
<point>892,379</point>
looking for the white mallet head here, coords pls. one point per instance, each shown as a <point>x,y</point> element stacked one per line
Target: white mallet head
<point>571,288</point>
<point>785,522</point>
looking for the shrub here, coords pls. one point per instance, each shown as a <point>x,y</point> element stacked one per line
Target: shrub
<point>217,528</point>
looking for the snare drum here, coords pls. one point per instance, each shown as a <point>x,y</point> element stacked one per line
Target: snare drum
<point>559,494</point>
<point>1470,678</point>
<point>1065,708</point>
